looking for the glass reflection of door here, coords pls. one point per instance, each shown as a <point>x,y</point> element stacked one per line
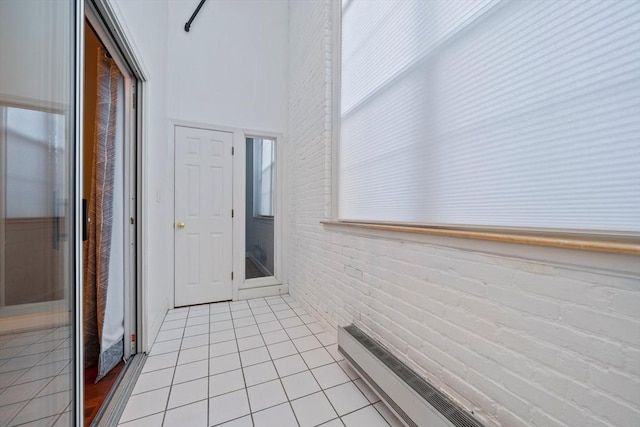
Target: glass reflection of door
<point>38,239</point>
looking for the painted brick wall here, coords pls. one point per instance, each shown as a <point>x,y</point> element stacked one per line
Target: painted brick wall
<point>520,335</point>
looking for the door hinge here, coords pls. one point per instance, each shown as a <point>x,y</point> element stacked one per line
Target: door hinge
<point>232,275</point>
<point>233,151</point>
<point>134,96</point>
<point>132,221</point>
<point>232,213</point>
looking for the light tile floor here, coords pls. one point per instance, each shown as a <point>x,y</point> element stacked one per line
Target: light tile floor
<point>35,379</point>
<point>258,363</point>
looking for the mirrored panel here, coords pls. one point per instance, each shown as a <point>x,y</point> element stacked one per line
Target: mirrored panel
<point>36,212</point>
<point>260,208</point>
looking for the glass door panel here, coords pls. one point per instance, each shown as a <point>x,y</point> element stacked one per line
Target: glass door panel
<point>37,211</point>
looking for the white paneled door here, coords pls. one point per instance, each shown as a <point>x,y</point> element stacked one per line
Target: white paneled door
<point>203,228</point>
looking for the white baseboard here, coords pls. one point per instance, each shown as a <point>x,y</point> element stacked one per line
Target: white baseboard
<point>264,291</point>
<point>33,321</point>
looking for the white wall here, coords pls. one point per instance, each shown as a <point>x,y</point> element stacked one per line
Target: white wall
<point>145,23</point>
<point>231,68</point>
<point>521,335</point>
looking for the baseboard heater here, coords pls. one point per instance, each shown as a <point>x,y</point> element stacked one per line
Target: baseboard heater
<point>416,402</point>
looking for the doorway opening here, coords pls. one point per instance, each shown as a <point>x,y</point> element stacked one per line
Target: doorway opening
<point>109,183</point>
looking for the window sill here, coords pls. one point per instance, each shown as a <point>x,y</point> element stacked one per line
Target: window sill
<point>608,244</point>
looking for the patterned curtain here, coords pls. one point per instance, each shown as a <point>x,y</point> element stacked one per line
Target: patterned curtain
<point>97,249</point>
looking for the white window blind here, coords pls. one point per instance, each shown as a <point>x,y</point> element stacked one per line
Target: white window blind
<point>491,113</point>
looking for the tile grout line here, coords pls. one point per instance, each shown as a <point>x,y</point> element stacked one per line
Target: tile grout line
<point>246,389</point>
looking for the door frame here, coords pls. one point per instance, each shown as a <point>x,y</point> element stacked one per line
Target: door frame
<point>260,287</point>
<point>103,20</point>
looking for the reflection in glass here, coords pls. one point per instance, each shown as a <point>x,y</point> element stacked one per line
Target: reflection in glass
<point>36,202</point>
<point>260,168</point>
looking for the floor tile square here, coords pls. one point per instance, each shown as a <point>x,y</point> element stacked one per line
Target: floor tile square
<point>176,315</point>
<point>275,337</point>
<point>291,322</point>
<point>253,356</point>
<point>364,417</point>
<point>226,382</point>
<point>280,416</point>
<point>221,336</point>
<point>367,391</point>
<point>298,331</point>
<point>195,341</point>
<point>241,313</point>
<point>317,357</point>
<point>225,363</point>
<point>144,404</point>
<point>327,338</point>
<point>245,421</point>
<point>266,317</point>
<point>153,380</point>
<point>346,398</point>
<point>307,343</point>
<point>248,343</point>
<point>332,423</point>
<point>243,321</point>
<point>191,371</point>
<point>150,421</point>
<point>330,375</point>
<point>285,314</point>
<point>165,347</point>
<point>290,365</point>
<point>265,395</point>
<point>193,415</point>
<point>261,310</point>
<point>269,326</point>
<point>279,307</point>
<point>222,348</point>
<point>190,331</point>
<point>282,349</point>
<point>238,305</point>
<point>219,308</point>
<point>315,327</point>
<point>220,317</point>
<point>247,331</point>
<point>300,384</point>
<point>223,325</point>
<point>201,320</point>
<point>228,407</point>
<point>189,392</point>
<point>199,310</point>
<point>172,334</point>
<point>313,410</point>
<point>258,302</point>
<point>173,324</point>
<point>259,373</point>
<point>161,361</point>
<point>193,355</point>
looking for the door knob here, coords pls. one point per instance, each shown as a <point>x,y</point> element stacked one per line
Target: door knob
<point>180,225</point>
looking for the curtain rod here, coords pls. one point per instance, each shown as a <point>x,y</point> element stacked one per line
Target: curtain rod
<point>187,26</point>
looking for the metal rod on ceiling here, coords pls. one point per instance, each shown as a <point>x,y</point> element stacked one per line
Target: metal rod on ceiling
<point>187,26</point>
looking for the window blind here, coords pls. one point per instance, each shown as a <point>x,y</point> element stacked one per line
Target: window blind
<point>491,113</point>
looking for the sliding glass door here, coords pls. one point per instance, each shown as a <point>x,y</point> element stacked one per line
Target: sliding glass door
<point>39,114</point>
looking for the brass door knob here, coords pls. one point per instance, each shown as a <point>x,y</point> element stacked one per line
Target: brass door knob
<point>180,225</point>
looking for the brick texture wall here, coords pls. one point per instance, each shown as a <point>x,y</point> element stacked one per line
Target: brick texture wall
<point>519,335</point>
